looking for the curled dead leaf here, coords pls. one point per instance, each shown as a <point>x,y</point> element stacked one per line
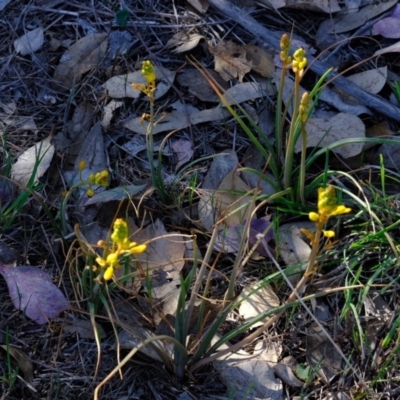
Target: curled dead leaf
<point>81,57</point>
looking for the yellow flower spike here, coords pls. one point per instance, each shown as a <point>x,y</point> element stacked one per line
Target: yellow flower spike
<point>108,274</point>
<point>299,60</point>
<point>305,104</point>
<point>327,203</point>
<point>120,232</point>
<point>82,165</point>
<point>148,71</point>
<point>121,245</point>
<point>329,234</point>
<point>285,47</point>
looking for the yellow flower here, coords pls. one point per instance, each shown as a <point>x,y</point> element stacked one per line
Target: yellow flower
<point>90,192</point>
<point>148,71</point>
<point>101,261</point>
<point>120,232</point>
<point>82,165</point>
<point>137,249</point>
<point>108,274</point>
<point>121,245</point>
<point>112,259</point>
<point>299,60</point>
<point>285,47</point>
<point>327,205</point>
<point>313,216</point>
<point>329,234</point>
<point>305,104</point>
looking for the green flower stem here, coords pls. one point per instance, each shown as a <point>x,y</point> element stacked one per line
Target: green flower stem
<point>292,134</point>
<point>302,176</point>
<point>279,120</point>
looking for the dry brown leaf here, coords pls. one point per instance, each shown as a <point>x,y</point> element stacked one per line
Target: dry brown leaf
<point>381,130</point>
<point>161,262</point>
<point>287,376</point>
<point>378,314</point>
<point>109,112</point>
<point>250,376</point>
<point>294,247</point>
<point>3,4</point>
<point>355,20</point>
<point>222,203</point>
<point>232,201</point>
<point>263,60</point>
<point>184,41</point>
<point>81,121</point>
<point>222,165</point>
<point>30,42</point>
<point>372,81</point>
<point>38,156</point>
<point>197,84</point>
<point>84,329</point>
<point>200,5</point>
<point>179,118</point>
<point>262,300</point>
<point>322,355</point>
<point>231,60</point>
<point>322,132</point>
<point>248,91</point>
<point>184,151</point>
<point>230,206</point>
<point>24,362</point>
<point>394,48</point>
<point>81,57</point>
<point>120,86</point>
<point>19,122</point>
<point>136,335</point>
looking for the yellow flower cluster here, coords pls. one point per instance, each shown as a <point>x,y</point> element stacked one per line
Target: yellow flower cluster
<point>299,60</point>
<point>305,104</point>
<point>101,178</point>
<point>285,47</point>
<point>149,73</point>
<point>327,207</point>
<point>121,245</point>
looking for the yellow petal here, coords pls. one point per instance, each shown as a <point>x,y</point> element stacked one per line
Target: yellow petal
<point>101,261</point>
<point>108,274</point>
<point>313,216</point>
<point>112,258</point>
<point>329,234</point>
<point>82,165</point>
<point>138,249</point>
